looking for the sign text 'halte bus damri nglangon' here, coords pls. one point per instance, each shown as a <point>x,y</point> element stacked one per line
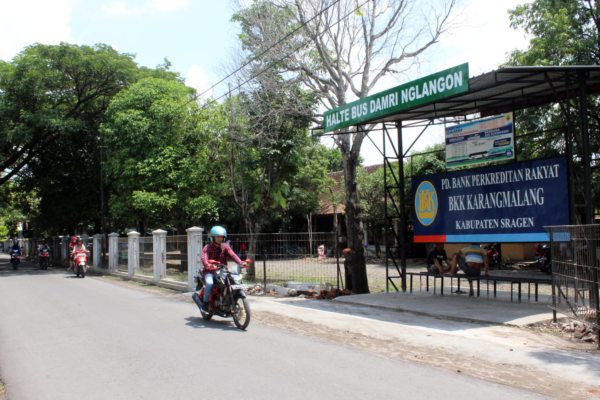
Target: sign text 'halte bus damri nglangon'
<point>419,92</point>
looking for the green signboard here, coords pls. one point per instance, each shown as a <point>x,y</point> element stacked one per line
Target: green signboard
<point>421,91</point>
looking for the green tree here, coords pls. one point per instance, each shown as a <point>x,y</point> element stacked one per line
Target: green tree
<point>52,99</point>
<point>267,142</point>
<point>563,32</point>
<point>341,51</point>
<point>158,160</point>
<point>11,204</point>
<point>372,202</point>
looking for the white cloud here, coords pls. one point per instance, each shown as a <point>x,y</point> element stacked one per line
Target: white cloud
<point>25,22</point>
<point>120,8</point>
<point>197,79</point>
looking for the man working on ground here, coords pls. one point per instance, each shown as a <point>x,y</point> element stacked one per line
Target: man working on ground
<point>437,260</point>
<point>470,259</point>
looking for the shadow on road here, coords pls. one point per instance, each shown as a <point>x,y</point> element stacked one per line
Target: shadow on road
<point>222,324</point>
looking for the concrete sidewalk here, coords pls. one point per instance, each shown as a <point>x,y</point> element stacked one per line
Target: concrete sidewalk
<point>458,307</point>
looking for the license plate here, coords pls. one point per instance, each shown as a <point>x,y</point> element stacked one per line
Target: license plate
<point>238,287</point>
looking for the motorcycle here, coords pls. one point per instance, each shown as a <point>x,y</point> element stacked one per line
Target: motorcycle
<point>228,298</point>
<point>80,260</point>
<point>44,259</point>
<point>15,258</point>
<point>494,257</point>
<point>544,259</point>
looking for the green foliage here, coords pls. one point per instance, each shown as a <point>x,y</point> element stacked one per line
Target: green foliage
<point>372,197</point>
<point>430,161</point>
<point>11,204</point>
<point>563,32</point>
<point>4,232</point>
<point>159,156</point>
<point>275,166</point>
<point>52,99</point>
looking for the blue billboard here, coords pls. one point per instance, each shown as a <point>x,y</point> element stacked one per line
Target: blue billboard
<point>504,203</point>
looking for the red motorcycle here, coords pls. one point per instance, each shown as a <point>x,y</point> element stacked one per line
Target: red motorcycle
<point>228,298</point>
<point>80,259</point>
<point>44,259</point>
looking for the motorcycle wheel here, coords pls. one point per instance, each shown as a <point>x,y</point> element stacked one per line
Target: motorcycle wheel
<point>241,313</point>
<point>78,269</point>
<point>82,272</point>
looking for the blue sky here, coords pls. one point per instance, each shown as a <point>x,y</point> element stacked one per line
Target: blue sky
<point>199,39</point>
<point>195,35</point>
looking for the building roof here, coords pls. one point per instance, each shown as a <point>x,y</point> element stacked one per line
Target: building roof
<point>508,89</point>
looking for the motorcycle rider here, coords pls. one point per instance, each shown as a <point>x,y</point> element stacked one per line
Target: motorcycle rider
<point>15,251</point>
<point>79,246</point>
<point>218,251</point>
<point>72,244</point>
<point>44,248</point>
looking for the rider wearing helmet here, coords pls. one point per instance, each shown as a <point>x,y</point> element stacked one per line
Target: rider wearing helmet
<point>218,251</point>
<point>16,248</point>
<point>79,246</point>
<point>44,248</point>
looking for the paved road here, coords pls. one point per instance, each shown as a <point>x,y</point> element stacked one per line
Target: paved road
<point>66,338</point>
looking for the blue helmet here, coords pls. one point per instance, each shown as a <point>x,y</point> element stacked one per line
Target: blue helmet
<point>217,231</point>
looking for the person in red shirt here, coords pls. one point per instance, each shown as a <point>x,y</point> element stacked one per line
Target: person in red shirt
<point>71,247</point>
<point>217,251</point>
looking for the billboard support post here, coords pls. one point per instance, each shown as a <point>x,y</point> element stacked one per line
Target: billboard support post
<point>402,183</point>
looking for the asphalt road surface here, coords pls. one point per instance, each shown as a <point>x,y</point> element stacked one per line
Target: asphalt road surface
<point>67,338</point>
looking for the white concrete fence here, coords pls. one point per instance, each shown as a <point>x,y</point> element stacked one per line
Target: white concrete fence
<point>187,252</point>
<point>159,255</point>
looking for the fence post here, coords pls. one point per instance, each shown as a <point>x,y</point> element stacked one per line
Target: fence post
<point>113,251</point>
<point>97,251</point>
<point>159,256</point>
<point>133,253</point>
<point>264,260</point>
<point>194,249</point>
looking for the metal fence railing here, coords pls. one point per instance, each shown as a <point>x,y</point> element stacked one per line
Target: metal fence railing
<point>123,254</point>
<point>279,258</point>
<point>146,256</point>
<point>575,255</point>
<point>176,256</point>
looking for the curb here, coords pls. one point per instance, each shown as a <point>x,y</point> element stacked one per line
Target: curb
<point>425,314</point>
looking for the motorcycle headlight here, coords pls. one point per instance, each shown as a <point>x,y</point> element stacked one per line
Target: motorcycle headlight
<point>237,279</point>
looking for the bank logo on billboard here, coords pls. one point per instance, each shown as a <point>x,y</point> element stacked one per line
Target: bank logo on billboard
<point>426,203</point>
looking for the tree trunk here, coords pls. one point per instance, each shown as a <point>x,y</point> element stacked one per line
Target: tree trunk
<point>354,229</point>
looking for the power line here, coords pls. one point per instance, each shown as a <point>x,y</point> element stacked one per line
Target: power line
<point>295,50</point>
<point>284,38</point>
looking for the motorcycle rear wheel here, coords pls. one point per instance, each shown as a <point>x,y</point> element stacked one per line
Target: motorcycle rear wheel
<point>241,313</point>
